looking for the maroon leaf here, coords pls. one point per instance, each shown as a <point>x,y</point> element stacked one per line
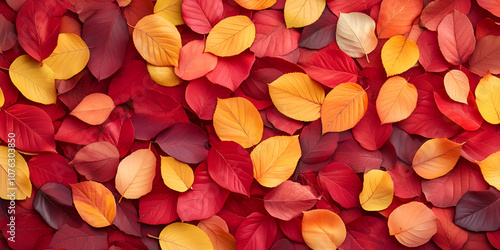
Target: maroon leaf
<point>346,6</point>
<point>256,232</point>
<point>288,200</point>
<point>478,210</point>
<point>97,161</point>
<point>126,218</point>
<point>185,142</point>
<point>72,130</point>
<point>356,157</point>
<point>317,147</point>
<point>494,238</point>
<point>159,206</point>
<point>342,184</point>
<point>202,15</point>
<point>292,229</point>
<point>448,235</point>
<point>120,133</point>
<point>51,167</point>
<point>83,237</point>
<point>51,202</point>
<point>367,232</point>
<point>29,228</point>
<point>406,181</point>
<point>321,33</point>
<point>201,95</point>
<point>406,145</point>
<point>430,56</point>
<point>370,132</point>
<point>231,71</point>
<point>479,144</point>
<point>10,91</point>
<point>86,85</point>
<point>136,10</point>
<point>130,82</point>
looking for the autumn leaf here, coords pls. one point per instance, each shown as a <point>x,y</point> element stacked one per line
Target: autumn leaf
<point>436,157</point>
<point>457,86</point>
<point>456,38</point>
<point>414,230</point>
<point>397,100</point>
<point>231,36</point>
<point>396,17</point>
<point>164,76</point>
<point>378,190</point>
<point>398,55</point>
<point>218,232</point>
<point>356,34</point>
<point>488,99</point>
<point>69,57</point>
<point>300,13</point>
<point>170,10</point>
<point>256,4</point>
<point>288,200</point>
<point>485,57</point>
<point>2,98</point>
<point>94,109</point>
<point>194,62</point>
<point>176,175</point>
<point>186,235</point>
<point>134,177</point>
<point>94,202</point>
<point>323,229</point>
<point>15,174</point>
<point>97,161</point>
<point>490,168</point>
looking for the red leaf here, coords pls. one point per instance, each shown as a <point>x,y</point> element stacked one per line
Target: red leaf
<point>51,202</point>
<point>317,147</point>
<point>456,38</point>
<point>202,95</point>
<point>448,235</point>
<point>230,166</point>
<point>479,144</point>
<point>37,29</point>
<point>72,130</point>
<point>406,145</point>
<point>231,71</point>
<point>347,6</point>
<point>84,237</point>
<point>370,132</point>
<point>205,198</point>
<point>159,206</point>
<point>97,161</point>
<point>202,15</point>
<point>478,210</point>
<point>288,200</point>
<point>292,229</point>
<point>136,10</point>
<point>446,191</point>
<point>342,184</point>
<point>106,35</point>
<point>321,33</point>
<point>120,133</point>
<point>10,91</point>
<point>282,122</point>
<point>130,82</point>
<point>367,232</point>
<point>85,86</point>
<point>256,232</point>
<point>486,56</point>
<point>356,157</point>
<point>467,116</point>
<point>32,127</point>
<point>430,56</point>
<point>486,27</point>
<point>494,238</point>
<point>51,167</point>
<point>126,218</point>
<point>406,181</point>
<point>435,11</point>
<point>194,62</point>
<point>272,38</point>
<point>185,142</point>
<point>29,228</point>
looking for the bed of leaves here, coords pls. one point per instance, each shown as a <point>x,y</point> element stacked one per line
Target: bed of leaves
<point>250,124</point>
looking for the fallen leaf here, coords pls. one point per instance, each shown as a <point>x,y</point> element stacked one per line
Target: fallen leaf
<point>414,230</point>
<point>164,76</point>
<point>94,202</point>
<point>467,116</point>
<point>15,174</point>
<point>94,109</point>
<point>486,56</point>
<point>256,4</point>
<point>202,96</point>
<point>231,36</point>
<point>256,231</point>
<point>356,34</point>
<point>288,200</point>
<point>323,229</point>
<point>449,235</point>
<point>170,10</point>
<point>397,100</point>
<point>216,229</point>
<point>176,175</point>
<point>478,210</point>
<point>202,15</point>
<point>97,161</point>
<point>300,13</point>
<point>134,177</point>
<point>342,184</point>
<point>185,142</point>
<point>396,17</point>
<point>193,62</point>
<point>491,169</point>
<point>378,190</point>
<point>186,235</point>
<point>69,57</point>
<point>436,157</point>
<point>488,99</point>
<point>399,55</point>
<point>457,86</point>
<point>456,38</point>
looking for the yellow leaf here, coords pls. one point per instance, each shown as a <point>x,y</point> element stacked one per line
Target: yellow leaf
<point>164,76</point>
<point>436,157</point>
<point>488,98</point>
<point>378,191</point>
<point>399,55</point>
<point>15,175</point>
<point>456,84</point>
<point>94,202</point>
<point>218,232</point>
<point>397,100</point>
<point>344,107</point>
<point>231,36</point>
<point>176,175</point>
<point>275,159</point>
<point>356,34</point>
<point>36,82</point>
<point>255,4</point>
<point>300,13</point>
<point>323,229</point>
<point>135,174</point>
<point>180,235</point>
<point>490,168</point>
<point>170,10</point>
<point>157,40</point>
<point>236,119</point>
<point>69,57</point>
<point>413,224</point>
<point>297,96</point>
<point>2,98</point>
<point>94,109</point>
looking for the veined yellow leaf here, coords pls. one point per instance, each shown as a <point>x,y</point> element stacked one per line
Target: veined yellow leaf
<point>490,168</point>
<point>397,100</point>
<point>297,96</point>
<point>170,10</point>
<point>255,4</point>
<point>413,224</point>
<point>399,55</point>
<point>300,13</point>
<point>356,34</point>
<point>488,98</point>
<point>275,159</point>
<point>344,107</point>
<point>69,57</point>
<point>323,229</point>
<point>94,202</point>
<point>164,76</point>
<point>2,98</point>
<point>436,157</point>
<point>180,235</point>
<point>378,191</point>
<point>157,40</point>
<point>456,84</point>
<point>176,175</point>
<point>135,174</point>
<point>35,81</point>
<point>218,232</point>
<point>21,182</point>
<point>94,109</point>
<point>236,119</point>
<point>231,36</point>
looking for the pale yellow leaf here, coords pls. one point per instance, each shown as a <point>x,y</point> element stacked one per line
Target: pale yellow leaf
<point>255,4</point>
<point>176,175</point>
<point>300,13</point>
<point>396,100</point>
<point>398,55</point>
<point>69,57</point>
<point>297,96</point>
<point>436,157</point>
<point>15,175</point>
<point>164,76</point>
<point>323,229</point>
<point>490,168</point>
<point>94,109</point>
<point>488,98</point>
<point>356,34</point>
<point>378,191</point>
<point>184,236</point>
<point>456,84</point>
<point>34,81</point>
<point>170,10</point>
<point>231,36</point>
<point>135,174</point>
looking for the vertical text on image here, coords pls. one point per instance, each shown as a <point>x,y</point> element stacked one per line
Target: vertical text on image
<point>11,188</point>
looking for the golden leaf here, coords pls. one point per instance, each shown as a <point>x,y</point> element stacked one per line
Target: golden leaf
<point>488,98</point>
<point>399,55</point>
<point>15,175</point>
<point>255,4</point>
<point>170,10</point>
<point>94,202</point>
<point>397,100</point>
<point>184,235</point>
<point>378,191</point>
<point>300,13</point>
<point>323,229</point>
<point>176,175</point>
<point>69,57</point>
<point>231,36</point>
<point>490,168</point>
<point>164,76</point>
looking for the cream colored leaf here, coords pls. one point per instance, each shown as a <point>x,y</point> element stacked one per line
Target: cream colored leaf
<point>231,36</point>
<point>456,84</point>
<point>69,57</point>
<point>135,174</point>
<point>300,13</point>
<point>356,34</point>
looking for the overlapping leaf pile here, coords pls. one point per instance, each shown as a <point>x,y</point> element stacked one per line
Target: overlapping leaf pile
<point>251,124</point>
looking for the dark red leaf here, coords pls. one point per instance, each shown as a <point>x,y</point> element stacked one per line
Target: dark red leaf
<point>83,237</point>
<point>346,6</point>
<point>86,85</point>
<point>292,229</point>
<point>406,145</point>
<point>356,157</point>
<point>494,238</point>
<point>202,95</point>
<point>136,10</point>
<point>288,200</point>
<point>406,181</point>
<point>465,115</point>
<point>342,184</point>
<point>185,142</point>
<point>97,161</point>
<point>321,33</point>
<point>477,241</point>
<point>487,27</point>
<point>53,202</point>
<point>120,133</point>
<point>231,71</point>
<point>72,130</point>
<point>317,147</point>
<point>448,235</point>
<point>202,15</point>
<point>51,167</point>
<point>479,144</point>
<point>282,122</point>
<point>126,218</point>
<point>130,82</point>
<point>366,232</point>
<point>478,210</point>
<point>256,232</point>
<point>159,206</point>
<point>10,91</point>
<point>430,56</point>
<point>370,132</point>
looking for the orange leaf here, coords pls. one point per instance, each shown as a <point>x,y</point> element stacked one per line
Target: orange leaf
<point>436,157</point>
<point>344,107</point>
<point>218,232</point>
<point>323,229</point>
<point>413,224</point>
<point>456,84</point>
<point>194,62</point>
<point>398,55</point>
<point>94,109</point>
<point>135,174</point>
<point>255,4</point>
<point>490,168</point>
<point>396,16</point>
<point>94,202</point>
<point>397,100</point>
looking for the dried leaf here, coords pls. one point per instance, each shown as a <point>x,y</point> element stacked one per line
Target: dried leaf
<point>176,175</point>
<point>397,100</point>
<point>356,34</point>
<point>398,55</point>
<point>378,190</point>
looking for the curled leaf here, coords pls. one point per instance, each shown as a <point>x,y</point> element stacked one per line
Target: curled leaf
<point>413,224</point>
<point>323,229</point>
<point>356,34</point>
<point>378,191</point>
<point>176,175</point>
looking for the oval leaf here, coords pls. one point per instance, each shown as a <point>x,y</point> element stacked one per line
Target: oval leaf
<point>256,232</point>
<point>35,81</point>
<point>323,229</point>
<point>170,10</point>
<point>486,56</point>
<point>20,184</point>
<point>398,55</point>
<point>288,200</point>
<point>488,98</point>
<point>69,57</point>
<point>356,34</point>
<point>297,96</point>
<point>176,175</point>
<point>157,40</point>
<point>413,224</point>
<point>134,177</point>
<point>378,191</point>
<point>164,76</point>
<point>97,161</point>
<point>467,116</point>
<point>236,119</point>
<point>274,160</point>
<point>193,62</point>
<point>255,4</point>
<point>396,17</point>
<point>186,235</point>
<point>343,107</point>
<point>202,95</point>
<point>185,142</point>
<point>456,38</point>
<point>231,36</point>
<point>202,15</point>
<point>216,229</point>
<point>94,202</point>
<point>490,168</point>
<point>397,100</point>
<point>457,86</point>
<point>436,157</point>
<point>342,184</point>
<point>94,109</point>
<point>478,211</point>
<point>449,235</point>
<point>300,13</point>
